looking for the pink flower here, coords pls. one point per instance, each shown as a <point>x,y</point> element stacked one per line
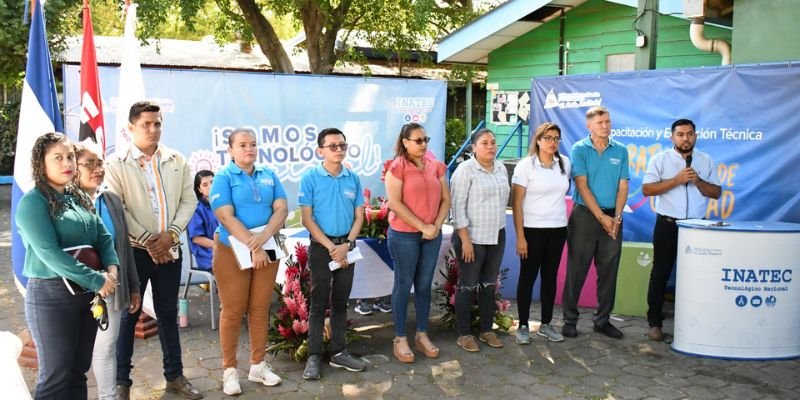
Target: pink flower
<point>367,196</point>
<point>452,300</point>
<point>368,214</point>
<point>291,305</point>
<point>384,212</point>
<point>301,251</point>
<point>300,327</point>
<point>502,305</point>
<point>302,311</point>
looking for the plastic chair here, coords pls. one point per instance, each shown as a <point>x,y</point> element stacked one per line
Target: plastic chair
<point>209,276</point>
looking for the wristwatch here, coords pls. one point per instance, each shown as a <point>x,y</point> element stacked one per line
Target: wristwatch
<point>175,238</point>
<point>350,244</point>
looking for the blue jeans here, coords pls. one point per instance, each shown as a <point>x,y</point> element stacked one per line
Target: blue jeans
<point>414,264</point>
<point>63,331</point>
<point>165,280</point>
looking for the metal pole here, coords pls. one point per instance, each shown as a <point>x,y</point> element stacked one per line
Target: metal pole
<point>468,118</point>
<point>647,25</point>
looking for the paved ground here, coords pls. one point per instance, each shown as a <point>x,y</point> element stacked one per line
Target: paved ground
<point>589,367</point>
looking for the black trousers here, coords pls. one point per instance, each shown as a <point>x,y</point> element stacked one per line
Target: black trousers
<point>545,246</point>
<point>327,287</point>
<point>665,251</point>
<point>587,241</point>
<point>165,280</point>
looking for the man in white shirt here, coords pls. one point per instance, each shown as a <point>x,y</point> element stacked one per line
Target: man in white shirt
<point>682,179</point>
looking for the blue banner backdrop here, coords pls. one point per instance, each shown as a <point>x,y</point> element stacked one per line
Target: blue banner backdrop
<point>747,119</point>
<point>201,108</point>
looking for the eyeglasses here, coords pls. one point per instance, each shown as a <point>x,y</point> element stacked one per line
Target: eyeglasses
<point>94,164</point>
<point>420,141</point>
<point>333,147</point>
<point>551,139</point>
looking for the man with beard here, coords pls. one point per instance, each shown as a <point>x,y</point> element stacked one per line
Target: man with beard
<point>681,178</point>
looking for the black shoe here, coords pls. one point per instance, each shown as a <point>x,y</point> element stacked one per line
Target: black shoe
<point>345,360</point>
<point>609,330</point>
<point>569,330</point>
<point>123,392</point>
<point>312,368</point>
<point>183,388</point>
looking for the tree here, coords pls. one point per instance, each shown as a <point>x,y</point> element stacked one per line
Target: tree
<point>385,24</point>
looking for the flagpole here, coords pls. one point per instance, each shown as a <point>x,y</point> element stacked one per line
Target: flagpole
<point>92,124</point>
<point>39,114</point>
<point>131,83</point>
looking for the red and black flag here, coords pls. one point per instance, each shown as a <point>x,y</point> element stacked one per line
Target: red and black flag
<point>92,125</point>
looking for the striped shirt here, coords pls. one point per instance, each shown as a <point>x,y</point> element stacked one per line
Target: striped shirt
<point>479,200</point>
<point>155,186</point>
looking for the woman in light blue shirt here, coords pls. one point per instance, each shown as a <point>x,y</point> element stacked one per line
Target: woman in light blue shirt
<point>245,195</point>
<point>479,192</point>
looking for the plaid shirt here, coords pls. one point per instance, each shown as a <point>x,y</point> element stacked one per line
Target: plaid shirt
<point>479,199</point>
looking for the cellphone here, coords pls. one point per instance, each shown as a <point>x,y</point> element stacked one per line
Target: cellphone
<point>175,251</point>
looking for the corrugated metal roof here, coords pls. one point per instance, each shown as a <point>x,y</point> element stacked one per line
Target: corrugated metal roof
<point>207,54</point>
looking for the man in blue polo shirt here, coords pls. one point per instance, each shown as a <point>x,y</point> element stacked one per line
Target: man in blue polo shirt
<point>330,202</point>
<point>600,170</point>
<point>682,179</point>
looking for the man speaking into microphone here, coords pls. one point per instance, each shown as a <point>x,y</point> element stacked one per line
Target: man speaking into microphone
<point>682,179</point>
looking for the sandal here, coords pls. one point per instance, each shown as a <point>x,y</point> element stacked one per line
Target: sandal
<point>425,346</point>
<point>402,352</point>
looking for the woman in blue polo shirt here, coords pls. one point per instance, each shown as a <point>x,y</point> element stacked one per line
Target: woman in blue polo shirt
<point>244,196</point>
<point>203,224</point>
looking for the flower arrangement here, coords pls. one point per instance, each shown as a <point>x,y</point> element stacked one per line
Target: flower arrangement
<point>289,325</point>
<point>376,216</point>
<point>447,291</point>
<point>289,331</point>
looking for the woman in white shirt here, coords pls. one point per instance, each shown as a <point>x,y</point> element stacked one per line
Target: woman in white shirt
<point>539,185</point>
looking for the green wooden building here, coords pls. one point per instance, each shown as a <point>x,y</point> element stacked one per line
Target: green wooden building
<point>524,39</point>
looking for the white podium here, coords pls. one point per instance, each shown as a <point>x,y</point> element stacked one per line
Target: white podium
<point>737,292</point>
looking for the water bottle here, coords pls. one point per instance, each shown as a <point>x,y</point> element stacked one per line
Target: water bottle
<point>183,313</point>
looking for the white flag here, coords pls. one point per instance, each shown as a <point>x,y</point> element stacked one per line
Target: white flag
<point>131,84</point>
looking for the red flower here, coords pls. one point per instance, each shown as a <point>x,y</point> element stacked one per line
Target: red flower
<point>285,331</point>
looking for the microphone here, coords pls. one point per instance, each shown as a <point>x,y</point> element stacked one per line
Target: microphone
<point>688,165</point>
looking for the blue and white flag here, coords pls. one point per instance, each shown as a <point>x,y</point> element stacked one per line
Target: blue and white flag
<point>39,114</point>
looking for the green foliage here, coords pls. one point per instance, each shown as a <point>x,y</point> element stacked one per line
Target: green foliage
<point>9,115</point>
<point>14,34</point>
<point>455,134</point>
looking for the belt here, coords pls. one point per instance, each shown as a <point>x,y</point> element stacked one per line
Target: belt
<point>611,212</point>
<point>334,239</point>
<point>671,220</point>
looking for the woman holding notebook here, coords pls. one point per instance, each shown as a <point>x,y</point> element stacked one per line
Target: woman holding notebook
<point>250,204</point>
<point>53,216</point>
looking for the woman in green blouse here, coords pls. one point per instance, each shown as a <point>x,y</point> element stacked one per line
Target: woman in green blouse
<point>51,217</point>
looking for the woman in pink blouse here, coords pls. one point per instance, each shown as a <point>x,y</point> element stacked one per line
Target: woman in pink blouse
<point>419,200</point>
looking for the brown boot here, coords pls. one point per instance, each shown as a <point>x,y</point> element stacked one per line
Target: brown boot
<point>183,388</point>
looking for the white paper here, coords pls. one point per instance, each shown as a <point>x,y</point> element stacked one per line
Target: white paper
<point>352,256</point>
<point>242,252</point>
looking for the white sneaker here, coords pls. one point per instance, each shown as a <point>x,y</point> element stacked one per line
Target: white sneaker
<point>263,373</point>
<point>230,382</point>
